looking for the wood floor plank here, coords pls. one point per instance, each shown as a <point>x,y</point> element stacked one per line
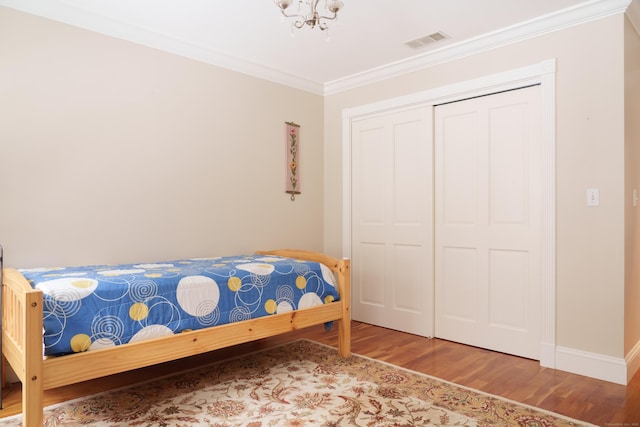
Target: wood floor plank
<point>598,402</point>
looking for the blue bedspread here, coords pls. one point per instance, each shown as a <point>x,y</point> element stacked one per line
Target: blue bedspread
<point>93,307</point>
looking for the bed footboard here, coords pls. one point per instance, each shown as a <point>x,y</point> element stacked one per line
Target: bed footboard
<point>21,313</point>
<point>342,268</point>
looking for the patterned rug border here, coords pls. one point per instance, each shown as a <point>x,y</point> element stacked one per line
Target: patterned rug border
<point>332,348</point>
<point>471,389</point>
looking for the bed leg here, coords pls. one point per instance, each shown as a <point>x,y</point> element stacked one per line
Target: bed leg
<point>344,325</point>
<point>32,403</point>
<point>344,338</point>
<point>3,380</point>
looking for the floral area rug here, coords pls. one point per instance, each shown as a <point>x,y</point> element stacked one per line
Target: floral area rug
<point>302,383</point>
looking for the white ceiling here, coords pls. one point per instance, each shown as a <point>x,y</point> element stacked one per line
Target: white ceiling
<point>367,41</point>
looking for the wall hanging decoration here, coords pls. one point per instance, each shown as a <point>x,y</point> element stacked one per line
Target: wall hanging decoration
<point>292,184</point>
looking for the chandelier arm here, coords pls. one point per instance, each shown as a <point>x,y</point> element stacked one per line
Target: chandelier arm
<point>296,15</point>
<point>330,18</point>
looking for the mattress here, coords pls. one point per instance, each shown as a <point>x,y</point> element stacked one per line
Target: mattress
<point>93,307</point>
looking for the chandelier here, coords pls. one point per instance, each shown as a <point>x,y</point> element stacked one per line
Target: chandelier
<point>308,14</point>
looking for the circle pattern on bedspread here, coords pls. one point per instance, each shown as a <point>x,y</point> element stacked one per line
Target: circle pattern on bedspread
<point>301,282</point>
<point>309,300</point>
<point>106,331</point>
<point>239,314</point>
<point>327,275</point>
<point>107,326</point>
<point>143,289</point>
<point>198,295</point>
<point>270,306</point>
<point>234,283</point>
<point>68,288</point>
<point>102,343</point>
<point>80,342</point>
<point>211,318</point>
<point>260,269</point>
<point>93,307</point>
<point>138,311</point>
<point>151,331</point>
<point>284,307</point>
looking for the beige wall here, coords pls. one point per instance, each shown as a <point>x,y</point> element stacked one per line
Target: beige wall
<point>632,181</point>
<point>114,152</point>
<point>590,153</point>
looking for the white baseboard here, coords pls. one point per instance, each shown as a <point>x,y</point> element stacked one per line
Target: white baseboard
<point>633,361</point>
<point>594,365</point>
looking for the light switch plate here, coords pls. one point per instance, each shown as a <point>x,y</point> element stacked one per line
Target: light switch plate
<point>593,197</point>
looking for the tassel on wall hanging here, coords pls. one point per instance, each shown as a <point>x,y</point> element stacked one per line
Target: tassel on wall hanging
<point>292,184</point>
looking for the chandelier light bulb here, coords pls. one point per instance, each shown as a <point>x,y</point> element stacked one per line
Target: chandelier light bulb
<point>282,4</point>
<point>334,6</point>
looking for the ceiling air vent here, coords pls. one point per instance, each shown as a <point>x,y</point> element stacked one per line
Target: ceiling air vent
<point>426,40</point>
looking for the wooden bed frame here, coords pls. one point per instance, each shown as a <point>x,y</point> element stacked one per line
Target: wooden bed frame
<point>22,337</point>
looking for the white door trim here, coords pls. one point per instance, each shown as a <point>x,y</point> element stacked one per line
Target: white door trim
<point>542,73</point>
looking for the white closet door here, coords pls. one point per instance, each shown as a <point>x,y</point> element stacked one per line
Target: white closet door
<point>392,223</point>
<point>487,222</point>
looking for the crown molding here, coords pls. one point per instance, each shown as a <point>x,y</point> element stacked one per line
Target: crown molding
<point>582,13</point>
<point>65,13</point>
<point>585,12</point>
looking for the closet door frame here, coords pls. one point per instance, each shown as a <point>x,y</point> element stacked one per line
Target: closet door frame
<point>544,74</point>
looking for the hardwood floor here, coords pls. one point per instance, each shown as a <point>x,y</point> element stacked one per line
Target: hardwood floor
<point>522,380</point>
